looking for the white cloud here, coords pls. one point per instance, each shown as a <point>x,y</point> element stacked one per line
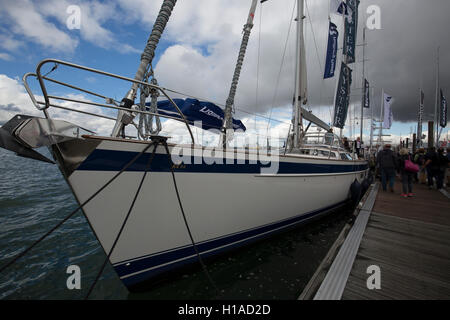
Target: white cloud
<point>15,100</point>
<point>5,56</point>
<point>93,15</point>
<point>9,43</point>
<point>32,20</point>
<point>27,21</point>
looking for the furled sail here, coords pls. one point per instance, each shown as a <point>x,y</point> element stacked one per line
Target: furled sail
<point>210,115</point>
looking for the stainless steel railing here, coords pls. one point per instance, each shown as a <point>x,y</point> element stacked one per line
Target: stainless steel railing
<point>110,103</point>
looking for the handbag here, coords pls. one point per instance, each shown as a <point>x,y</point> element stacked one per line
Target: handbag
<point>411,166</point>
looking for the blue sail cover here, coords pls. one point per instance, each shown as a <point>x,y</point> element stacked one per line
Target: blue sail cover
<point>208,113</point>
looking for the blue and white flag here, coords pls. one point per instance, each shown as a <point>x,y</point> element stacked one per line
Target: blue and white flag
<point>366,94</point>
<point>340,7</point>
<point>388,116</point>
<point>420,119</point>
<point>342,97</point>
<point>351,28</point>
<point>443,111</point>
<point>330,64</point>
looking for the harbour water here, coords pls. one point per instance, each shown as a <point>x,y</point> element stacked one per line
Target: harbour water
<point>34,197</point>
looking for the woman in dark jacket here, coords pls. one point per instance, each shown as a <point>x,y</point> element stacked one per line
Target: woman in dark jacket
<point>407,177</point>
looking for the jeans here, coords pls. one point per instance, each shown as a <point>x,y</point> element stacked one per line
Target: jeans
<point>430,176</point>
<point>439,174</point>
<point>407,181</point>
<point>387,175</point>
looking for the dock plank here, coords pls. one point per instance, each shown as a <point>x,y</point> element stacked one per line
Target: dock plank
<point>409,239</point>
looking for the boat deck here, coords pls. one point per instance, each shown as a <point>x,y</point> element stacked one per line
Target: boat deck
<point>408,239</point>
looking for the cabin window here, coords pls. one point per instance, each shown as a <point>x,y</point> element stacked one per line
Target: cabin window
<point>343,156</point>
<point>333,155</point>
<point>304,151</point>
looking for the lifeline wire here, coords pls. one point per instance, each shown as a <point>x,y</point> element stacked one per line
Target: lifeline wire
<point>124,222</point>
<point>75,211</point>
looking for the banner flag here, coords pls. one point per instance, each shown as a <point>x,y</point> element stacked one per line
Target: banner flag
<point>330,64</point>
<point>342,96</point>
<point>443,111</point>
<point>351,27</point>
<point>388,116</point>
<point>419,125</point>
<point>366,94</point>
<point>339,7</point>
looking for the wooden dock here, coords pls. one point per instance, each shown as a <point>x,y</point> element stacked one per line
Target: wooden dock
<point>407,239</point>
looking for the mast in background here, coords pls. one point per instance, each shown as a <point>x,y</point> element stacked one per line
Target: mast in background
<point>436,107</point>
<point>299,85</point>
<point>363,85</point>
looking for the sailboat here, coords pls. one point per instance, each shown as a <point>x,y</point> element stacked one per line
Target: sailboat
<point>153,214</point>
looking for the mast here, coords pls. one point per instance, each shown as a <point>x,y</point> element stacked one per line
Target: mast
<point>125,117</point>
<point>381,118</point>
<point>371,124</point>
<point>228,120</point>
<point>436,107</point>
<point>297,125</point>
<point>364,85</point>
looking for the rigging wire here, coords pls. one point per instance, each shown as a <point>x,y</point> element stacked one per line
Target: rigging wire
<point>281,67</point>
<point>317,54</point>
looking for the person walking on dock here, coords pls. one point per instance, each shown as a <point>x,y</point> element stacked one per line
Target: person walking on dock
<point>448,167</point>
<point>429,166</point>
<point>419,159</point>
<point>436,163</point>
<point>407,176</point>
<point>443,164</point>
<point>387,163</point>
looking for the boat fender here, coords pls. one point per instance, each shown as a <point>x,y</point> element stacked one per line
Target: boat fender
<point>365,186</point>
<point>355,191</point>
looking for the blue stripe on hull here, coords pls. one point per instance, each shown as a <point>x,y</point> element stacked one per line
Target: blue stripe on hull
<point>109,160</point>
<point>167,261</point>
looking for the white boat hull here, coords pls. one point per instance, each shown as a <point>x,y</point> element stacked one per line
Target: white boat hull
<point>224,207</point>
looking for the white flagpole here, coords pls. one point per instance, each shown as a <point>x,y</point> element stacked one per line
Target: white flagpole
<point>382,116</point>
<point>436,108</point>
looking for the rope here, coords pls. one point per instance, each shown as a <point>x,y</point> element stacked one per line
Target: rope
<point>124,222</point>
<point>75,211</point>
<point>186,222</point>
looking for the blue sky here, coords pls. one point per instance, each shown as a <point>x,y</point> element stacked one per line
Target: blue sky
<point>196,55</point>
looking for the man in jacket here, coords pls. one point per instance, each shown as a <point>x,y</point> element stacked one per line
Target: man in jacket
<point>387,164</point>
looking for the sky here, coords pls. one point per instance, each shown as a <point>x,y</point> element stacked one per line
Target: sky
<point>199,48</point>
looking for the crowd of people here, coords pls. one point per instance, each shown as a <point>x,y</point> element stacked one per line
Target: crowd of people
<point>427,167</point>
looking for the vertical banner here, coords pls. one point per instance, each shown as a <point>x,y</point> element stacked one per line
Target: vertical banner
<point>388,117</point>
<point>351,27</point>
<point>339,7</point>
<point>330,64</point>
<point>366,94</point>
<point>342,97</point>
<point>443,111</point>
<point>419,125</point>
